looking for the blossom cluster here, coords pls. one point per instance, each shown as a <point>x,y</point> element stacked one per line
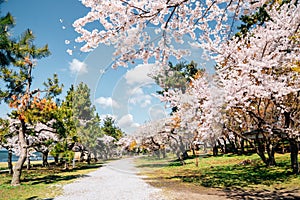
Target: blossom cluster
<point>256,81</point>
<point>36,138</point>
<point>124,23</point>
<point>255,86</point>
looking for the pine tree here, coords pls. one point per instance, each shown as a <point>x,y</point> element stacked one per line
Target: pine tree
<point>109,128</point>
<point>66,128</point>
<point>177,77</point>
<point>6,56</point>
<point>86,120</point>
<point>28,107</point>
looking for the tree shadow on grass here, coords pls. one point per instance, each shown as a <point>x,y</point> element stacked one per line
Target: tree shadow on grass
<point>233,193</point>
<point>53,175</point>
<point>49,179</point>
<point>234,176</point>
<point>239,193</point>
<point>37,198</point>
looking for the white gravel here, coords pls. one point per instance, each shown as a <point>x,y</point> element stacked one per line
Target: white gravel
<point>116,180</point>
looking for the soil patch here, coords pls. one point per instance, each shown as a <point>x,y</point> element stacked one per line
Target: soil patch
<point>176,190</point>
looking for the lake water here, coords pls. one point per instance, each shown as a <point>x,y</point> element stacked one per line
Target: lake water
<point>3,156</point>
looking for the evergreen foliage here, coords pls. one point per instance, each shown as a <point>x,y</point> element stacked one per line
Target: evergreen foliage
<point>109,128</point>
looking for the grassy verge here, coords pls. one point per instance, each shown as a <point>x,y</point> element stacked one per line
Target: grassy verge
<point>226,172</point>
<point>41,183</point>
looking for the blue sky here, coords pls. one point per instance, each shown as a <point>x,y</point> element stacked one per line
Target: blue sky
<point>125,93</point>
<point>122,93</point>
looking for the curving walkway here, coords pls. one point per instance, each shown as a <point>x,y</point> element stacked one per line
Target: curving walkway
<point>116,180</point>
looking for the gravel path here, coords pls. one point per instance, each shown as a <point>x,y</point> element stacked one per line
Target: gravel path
<point>116,180</point>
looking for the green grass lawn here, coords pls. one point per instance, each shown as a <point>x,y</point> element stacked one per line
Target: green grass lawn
<point>220,172</point>
<point>41,183</point>
<point>224,171</point>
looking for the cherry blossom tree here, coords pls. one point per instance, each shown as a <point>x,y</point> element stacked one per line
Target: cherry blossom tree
<point>198,114</point>
<point>256,76</point>
<point>106,146</point>
<point>5,142</point>
<point>43,139</point>
<point>255,45</point>
<point>39,138</point>
<point>259,79</point>
<point>158,137</point>
<point>153,137</point>
<point>126,144</point>
<point>124,23</point>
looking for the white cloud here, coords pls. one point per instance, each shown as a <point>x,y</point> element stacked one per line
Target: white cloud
<point>157,112</point>
<point>138,97</point>
<point>135,91</point>
<point>107,102</point>
<point>140,74</point>
<point>126,122</point>
<point>69,51</point>
<point>78,67</point>
<point>194,44</point>
<point>146,102</point>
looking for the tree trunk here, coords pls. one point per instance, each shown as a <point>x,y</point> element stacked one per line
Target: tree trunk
<point>205,147</point>
<point>271,155</point>
<point>215,150</point>
<point>81,156</point>
<point>9,162</point>
<point>242,146</point>
<point>184,154</point>
<point>237,142</point>
<point>263,157</point>
<point>193,149</point>
<point>271,159</point>
<point>261,152</point>
<point>163,151</point>
<point>232,144</point>
<point>88,159</point>
<point>28,162</point>
<point>226,148</point>
<point>56,159</point>
<point>105,155</point>
<point>66,165</point>
<point>178,154</point>
<point>223,147</point>
<point>294,156</point>
<point>16,179</point>
<point>45,158</point>
<point>95,156</point>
